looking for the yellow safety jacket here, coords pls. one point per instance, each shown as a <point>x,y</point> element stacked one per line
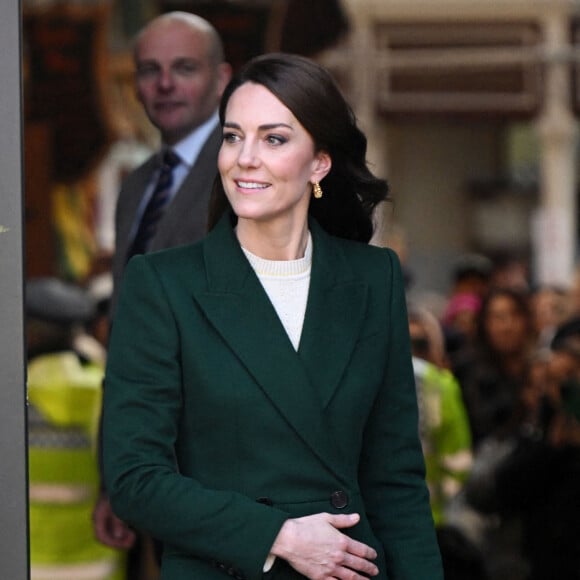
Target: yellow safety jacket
<point>64,402</point>
<point>445,434</point>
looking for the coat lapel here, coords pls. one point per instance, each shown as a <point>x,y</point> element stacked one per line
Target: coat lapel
<point>334,316</point>
<point>299,384</point>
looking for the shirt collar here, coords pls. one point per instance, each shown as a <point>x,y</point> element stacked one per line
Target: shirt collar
<point>188,148</point>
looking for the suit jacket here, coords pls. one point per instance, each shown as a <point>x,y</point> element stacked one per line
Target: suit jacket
<point>184,220</point>
<point>216,430</point>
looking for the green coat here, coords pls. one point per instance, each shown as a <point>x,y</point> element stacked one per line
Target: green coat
<point>216,430</point>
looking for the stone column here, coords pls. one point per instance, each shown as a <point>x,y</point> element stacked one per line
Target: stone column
<point>555,225</point>
<point>364,76</point>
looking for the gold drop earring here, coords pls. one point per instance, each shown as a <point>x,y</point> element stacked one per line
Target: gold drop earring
<point>317,190</point>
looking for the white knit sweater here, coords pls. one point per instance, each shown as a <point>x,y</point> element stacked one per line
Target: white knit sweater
<point>286,283</point>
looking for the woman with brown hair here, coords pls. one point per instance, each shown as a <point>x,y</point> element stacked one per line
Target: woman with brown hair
<point>262,415</point>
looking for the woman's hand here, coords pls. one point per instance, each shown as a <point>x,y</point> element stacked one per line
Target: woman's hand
<point>313,546</point>
<point>109,529</point>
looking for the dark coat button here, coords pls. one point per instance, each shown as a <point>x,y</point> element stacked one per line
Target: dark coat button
<point>339,499</point>
<point>265,501</point>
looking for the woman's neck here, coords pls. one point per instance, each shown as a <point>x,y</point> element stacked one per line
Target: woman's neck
<point>272,241</point>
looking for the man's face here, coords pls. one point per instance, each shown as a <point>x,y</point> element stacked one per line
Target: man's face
<point>177,81</point>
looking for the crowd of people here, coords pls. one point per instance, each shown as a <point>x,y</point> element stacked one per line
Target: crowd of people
<point>507,448</point>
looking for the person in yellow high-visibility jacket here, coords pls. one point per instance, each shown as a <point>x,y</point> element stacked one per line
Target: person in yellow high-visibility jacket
<point>64,395</point>
<point>443,423</point>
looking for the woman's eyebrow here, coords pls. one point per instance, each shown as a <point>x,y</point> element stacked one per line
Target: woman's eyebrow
<point>265,127</point>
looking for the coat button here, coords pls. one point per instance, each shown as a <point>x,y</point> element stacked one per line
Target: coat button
<point>339,499</point>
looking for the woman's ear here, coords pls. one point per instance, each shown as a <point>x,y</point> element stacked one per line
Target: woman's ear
<point>322,166</point>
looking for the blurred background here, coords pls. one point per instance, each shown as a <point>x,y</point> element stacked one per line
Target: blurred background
<point>470,106</point>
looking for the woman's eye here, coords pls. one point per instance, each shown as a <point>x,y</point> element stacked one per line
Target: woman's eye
<point>276,140</point>
<point>230,138</point>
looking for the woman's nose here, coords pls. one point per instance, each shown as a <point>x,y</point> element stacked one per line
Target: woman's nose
<point>248,156</point>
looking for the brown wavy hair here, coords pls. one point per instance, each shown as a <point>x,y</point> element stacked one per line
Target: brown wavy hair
<point>351,191</point>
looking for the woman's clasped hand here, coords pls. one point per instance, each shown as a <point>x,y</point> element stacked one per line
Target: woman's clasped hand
<point>314,546</point>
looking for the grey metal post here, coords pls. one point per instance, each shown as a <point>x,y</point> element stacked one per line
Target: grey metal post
<point>13,464</point>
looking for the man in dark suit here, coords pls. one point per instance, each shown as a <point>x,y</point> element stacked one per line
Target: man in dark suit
<point>180,75</point>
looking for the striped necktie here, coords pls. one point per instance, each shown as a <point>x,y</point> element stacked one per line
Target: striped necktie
<point>156,205</point>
